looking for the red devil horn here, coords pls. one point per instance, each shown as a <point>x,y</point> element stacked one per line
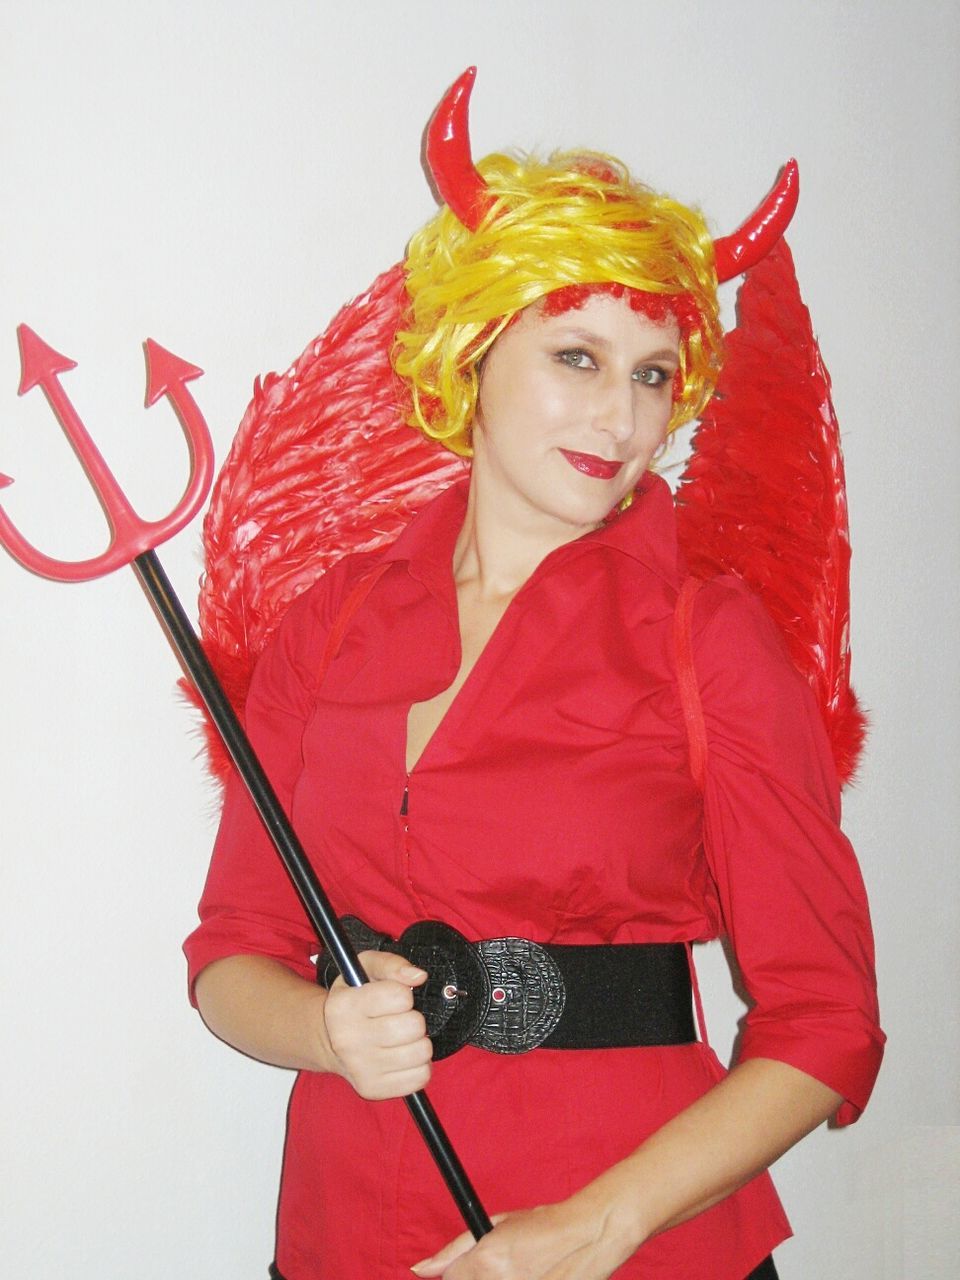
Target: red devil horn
<point>469,197</point>
<point>448,155</point>
<point>761,231</point>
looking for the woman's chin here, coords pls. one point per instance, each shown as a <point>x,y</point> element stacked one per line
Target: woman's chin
<point>587,513</point>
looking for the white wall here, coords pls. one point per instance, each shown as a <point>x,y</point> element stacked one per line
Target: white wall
<point>221,176</point>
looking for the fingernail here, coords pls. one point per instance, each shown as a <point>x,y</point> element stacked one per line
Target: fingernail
<point>416,1268</point>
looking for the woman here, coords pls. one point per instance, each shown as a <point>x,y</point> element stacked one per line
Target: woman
<point>510,758</point>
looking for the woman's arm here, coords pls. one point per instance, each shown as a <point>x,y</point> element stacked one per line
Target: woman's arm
<point>794,907</point>
<point>250,969</point>
<point>700,1156</point>
<point>370,1035</point>
<point>736,1130</point>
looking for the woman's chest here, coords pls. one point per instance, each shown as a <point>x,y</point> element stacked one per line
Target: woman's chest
<point>552,796</point>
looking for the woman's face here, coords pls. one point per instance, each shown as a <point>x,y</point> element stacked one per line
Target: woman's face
<point>570,412</point>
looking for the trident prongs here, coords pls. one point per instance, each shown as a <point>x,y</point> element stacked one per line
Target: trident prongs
<point>134,541</point>
<point>130,535</point>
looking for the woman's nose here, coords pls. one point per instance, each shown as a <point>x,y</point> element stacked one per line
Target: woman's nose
<point>614,414</point>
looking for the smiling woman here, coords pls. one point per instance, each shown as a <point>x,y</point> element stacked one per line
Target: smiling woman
<point>562,435</point>
<point>510,777</point>
<point>578,225</point>
<point>571,410</point>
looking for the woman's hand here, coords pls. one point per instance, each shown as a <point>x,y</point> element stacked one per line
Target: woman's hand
<point>579,1239</point>
<point>379,1041</point>
<point>370,1035</point>
<point>696,1159</point>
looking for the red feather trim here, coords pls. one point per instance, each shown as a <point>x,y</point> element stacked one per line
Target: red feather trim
<point>322,465</point>
<point>763,495</point>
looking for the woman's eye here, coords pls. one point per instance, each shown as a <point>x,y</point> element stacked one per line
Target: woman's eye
<point>652,375</point>
<point>576,359</point>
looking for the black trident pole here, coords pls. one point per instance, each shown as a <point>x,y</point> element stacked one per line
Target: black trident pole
<point>317,905</point>
<point>168,375</point>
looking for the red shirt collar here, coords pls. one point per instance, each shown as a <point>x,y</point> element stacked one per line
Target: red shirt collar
<point>646,531</point>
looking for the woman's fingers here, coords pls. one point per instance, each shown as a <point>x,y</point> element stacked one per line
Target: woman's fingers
<point>438,1263</point>
<point>386,999</point>
<point>553,1242</point>
<point>379,1039</point>
<point>385,965</point>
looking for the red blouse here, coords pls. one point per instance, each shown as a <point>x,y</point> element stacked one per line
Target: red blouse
<point>554,802</point>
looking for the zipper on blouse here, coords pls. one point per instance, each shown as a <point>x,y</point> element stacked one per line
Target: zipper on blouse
<point>404,850</point>
<point>405,833</point>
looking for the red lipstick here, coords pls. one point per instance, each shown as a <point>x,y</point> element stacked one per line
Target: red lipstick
<point>590,465</point>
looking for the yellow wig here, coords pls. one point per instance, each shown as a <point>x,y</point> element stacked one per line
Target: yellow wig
<point>574,219</point>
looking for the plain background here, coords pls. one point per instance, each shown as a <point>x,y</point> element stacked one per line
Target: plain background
<point>221,177</point>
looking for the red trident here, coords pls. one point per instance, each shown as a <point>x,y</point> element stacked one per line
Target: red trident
<point>167,375</point>
<point>133,541</point>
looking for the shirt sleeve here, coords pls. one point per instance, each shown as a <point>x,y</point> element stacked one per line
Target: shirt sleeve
<point>249,906</point>
<point>790,889</point>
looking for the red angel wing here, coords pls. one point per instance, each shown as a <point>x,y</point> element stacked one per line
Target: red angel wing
<point>322,465</point>
<point>763,495</point>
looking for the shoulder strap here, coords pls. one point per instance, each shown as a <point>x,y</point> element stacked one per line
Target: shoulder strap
<point>687,680</point>
<point>696,731</point>
<point>352,602</point>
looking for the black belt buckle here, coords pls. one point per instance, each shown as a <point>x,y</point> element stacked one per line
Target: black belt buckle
<point>505,995</point>
<point>527,995</point>
<point>457,995</point>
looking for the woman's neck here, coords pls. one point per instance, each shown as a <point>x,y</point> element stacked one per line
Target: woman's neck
<point>502,543</point>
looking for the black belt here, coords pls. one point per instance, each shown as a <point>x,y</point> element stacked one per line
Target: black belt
<point>510,995</point>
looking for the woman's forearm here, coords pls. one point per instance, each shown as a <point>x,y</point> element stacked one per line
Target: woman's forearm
<point>712,1148</point>
<point>371,1035</point>
<point>702,1155</point>
<point>265,1010</point>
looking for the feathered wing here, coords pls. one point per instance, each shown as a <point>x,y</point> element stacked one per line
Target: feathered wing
<point>322,465</point>
<point>763,494</point>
